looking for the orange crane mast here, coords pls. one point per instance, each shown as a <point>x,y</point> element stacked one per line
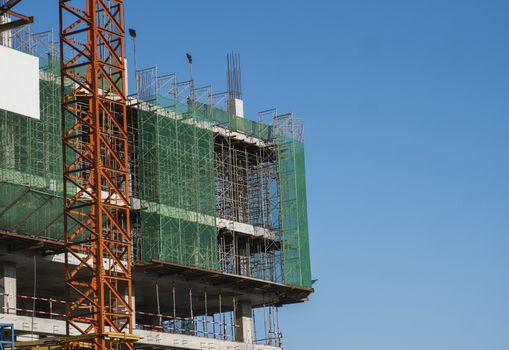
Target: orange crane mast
<point>96,179</point>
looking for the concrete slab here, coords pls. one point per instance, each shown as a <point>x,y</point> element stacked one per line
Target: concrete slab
<point>154,339</point>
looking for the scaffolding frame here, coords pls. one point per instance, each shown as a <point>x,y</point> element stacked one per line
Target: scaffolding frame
<point>245,175</point>
<point>247,192</point>
<point>30,149</point>
<point>177,212</point>
<point>289,135</point>
<point>253,169</point>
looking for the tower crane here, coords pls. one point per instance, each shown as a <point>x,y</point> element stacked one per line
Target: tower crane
<point>97,235</point>
<point>98,276</point>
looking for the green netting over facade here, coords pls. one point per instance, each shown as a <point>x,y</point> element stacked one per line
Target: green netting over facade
<point>177,188</point>
<point>221,117</point>
<point>178,204</point>
<point>176,176</point>
<point>31,182</point>
<point>294,221</point>
<point>243,125</point>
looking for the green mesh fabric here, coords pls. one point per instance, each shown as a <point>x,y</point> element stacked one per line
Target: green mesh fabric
<point>31,166</point>
<point>176,173</point>
<point>177,188</point>
<point>296,262</point>
<point>220,117</point>
<point>243,125</point>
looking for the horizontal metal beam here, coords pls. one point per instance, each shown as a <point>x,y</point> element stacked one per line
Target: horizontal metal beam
<point>8,5</point>
<point>19,15</point>
<point>19,19</point>
<point>15,24</point>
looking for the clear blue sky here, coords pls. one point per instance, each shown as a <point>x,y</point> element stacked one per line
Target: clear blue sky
<point>406,109</point>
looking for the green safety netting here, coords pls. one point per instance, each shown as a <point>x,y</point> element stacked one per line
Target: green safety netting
<point>177,188</point>
<point>31,183</point>
<point>296,262</point>
<point>219,117</point>
<point>177,199</point>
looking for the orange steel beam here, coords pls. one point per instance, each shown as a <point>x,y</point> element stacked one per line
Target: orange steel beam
<point>16,19</point>
<point>96,180</point>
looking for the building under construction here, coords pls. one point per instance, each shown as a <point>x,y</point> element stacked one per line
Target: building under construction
<point>216,217</point>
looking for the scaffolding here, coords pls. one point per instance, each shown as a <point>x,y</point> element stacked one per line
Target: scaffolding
<point>223,166</point>
<point>208,188</point>
<point>176,176</point>
<point>31,152</point>
<point>247,192</point>
<point>290,139</point>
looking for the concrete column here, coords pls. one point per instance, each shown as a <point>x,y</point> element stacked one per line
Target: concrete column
<point>243,319</point>
<point>8,287</point>
<point>244,260</point>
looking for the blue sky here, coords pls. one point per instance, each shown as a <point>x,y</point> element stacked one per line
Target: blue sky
<point>406,110</point>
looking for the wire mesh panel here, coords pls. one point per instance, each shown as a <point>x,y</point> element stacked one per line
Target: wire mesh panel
<point>294,222</point>
<point>177,193</point>
<point>184,188</point>
<point>31,165</point>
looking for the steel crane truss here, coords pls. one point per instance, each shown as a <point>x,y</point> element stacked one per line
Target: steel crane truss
<point>96,183</point>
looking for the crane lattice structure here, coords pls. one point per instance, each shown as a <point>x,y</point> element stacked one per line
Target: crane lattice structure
<point>97,231</point>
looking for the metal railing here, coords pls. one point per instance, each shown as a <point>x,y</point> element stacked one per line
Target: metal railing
<point>200,326</point>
